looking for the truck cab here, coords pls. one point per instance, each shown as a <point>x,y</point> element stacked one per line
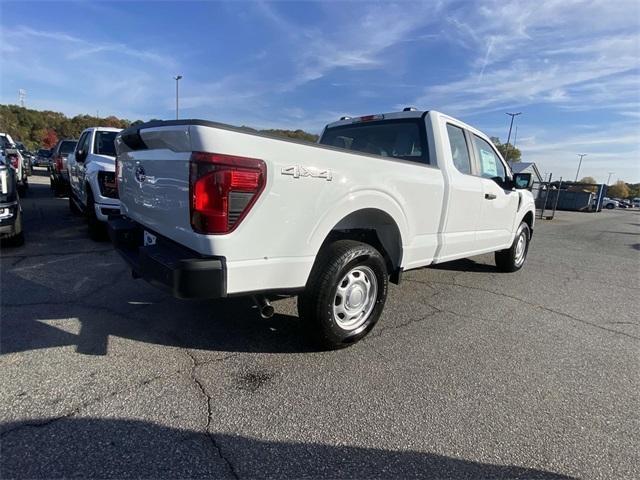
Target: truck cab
<point>91,169</point>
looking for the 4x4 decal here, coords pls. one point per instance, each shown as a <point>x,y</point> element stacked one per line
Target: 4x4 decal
<point>297,171</point>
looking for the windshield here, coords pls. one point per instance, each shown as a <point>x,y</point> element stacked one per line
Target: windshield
<point>4,142</point>
<point>104,144</point>
<point>44,152</point>
<point>389,138</point>
<point>67,147</point>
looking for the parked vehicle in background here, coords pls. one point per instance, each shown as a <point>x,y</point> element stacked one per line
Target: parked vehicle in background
<point>92,178</point>
<point>624,204</point>
<point>11,156</point>
<point>27,156</point>
<point>210,210</point>
<point>635,202</point>
<point>42,157</point>
<point>10,210</point>
<point>58,173</point>
<point>609,203</point>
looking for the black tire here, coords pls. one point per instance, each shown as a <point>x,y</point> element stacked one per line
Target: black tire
<point>23,187</point>
<point>317,305</point>
<point>97,229</point>
<point>16,240</point>
<point>73,207</point>
<point>610,206</point>
<point>510,260</point>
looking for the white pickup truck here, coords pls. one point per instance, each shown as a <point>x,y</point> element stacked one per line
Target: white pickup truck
<point>210,210</point>
<point>91,168</point>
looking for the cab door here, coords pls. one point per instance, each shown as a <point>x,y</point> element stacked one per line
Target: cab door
<point>500,201</point>
<point>463,199</point>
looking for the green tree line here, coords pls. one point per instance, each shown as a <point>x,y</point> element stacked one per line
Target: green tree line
<point>43,128</point>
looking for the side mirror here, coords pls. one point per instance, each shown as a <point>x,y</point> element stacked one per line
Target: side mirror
<point>522,181</point>
<point>81,155</point>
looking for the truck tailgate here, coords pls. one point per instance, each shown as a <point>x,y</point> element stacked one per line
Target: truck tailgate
<point>153,178</point>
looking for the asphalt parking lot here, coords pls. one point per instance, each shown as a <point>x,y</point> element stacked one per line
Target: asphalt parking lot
<point>471,373</point>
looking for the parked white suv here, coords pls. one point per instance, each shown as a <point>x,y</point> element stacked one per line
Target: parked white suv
<point>91,170</point>
<point>210,210</point>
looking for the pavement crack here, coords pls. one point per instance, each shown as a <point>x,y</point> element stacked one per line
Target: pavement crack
<point>88,403</point>
<point>532,304</point>
<point>207,397</point>
<point>408,323</point>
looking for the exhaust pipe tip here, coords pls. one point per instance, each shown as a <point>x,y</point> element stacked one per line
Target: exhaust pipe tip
<point>264,306</point>
<point>267,311</point>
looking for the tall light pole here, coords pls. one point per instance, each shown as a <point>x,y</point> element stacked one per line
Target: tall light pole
<point>581,155</point>
<point>609,179</point>
<point>506,152</point>
<point>177,79</point>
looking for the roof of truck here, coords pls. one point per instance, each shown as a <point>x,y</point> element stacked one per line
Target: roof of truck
<point>413,113</point>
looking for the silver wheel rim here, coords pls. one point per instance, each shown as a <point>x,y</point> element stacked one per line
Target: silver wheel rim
<point>521,248</point>
<point>355,298</point>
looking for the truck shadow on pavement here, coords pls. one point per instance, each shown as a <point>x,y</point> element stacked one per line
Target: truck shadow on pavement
<point>101,448</point>
<point>225,326</point>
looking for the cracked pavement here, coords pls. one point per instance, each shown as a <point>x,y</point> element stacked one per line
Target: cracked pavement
<point>470,373</point>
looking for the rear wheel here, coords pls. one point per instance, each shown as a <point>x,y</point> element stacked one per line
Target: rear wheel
<point>610,206</point>
<point>97,229</point>
<point>513,258</point>
<point>345,294</point>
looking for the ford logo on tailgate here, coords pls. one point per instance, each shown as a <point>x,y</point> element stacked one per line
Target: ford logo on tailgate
<point>139,173</point>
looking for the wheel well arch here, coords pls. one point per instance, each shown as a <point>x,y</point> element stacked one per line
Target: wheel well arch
<point>376,228</point>
<point>528,219</point>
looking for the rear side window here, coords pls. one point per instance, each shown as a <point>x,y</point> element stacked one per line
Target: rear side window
<point>105,143</point>
<point>490,165</point>
<point>403,139</point>
<point>459,150</point>
<point>67,147</point>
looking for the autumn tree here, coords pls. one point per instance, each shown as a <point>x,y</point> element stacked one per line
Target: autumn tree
<point>618,190</point>
<point>590,180</point>
<point>508,151</point>
<point>49,139</point>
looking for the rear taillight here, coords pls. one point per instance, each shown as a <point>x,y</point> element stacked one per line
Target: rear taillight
<point>58,160</point>
<point>15,161</point>
<point>223,188</point>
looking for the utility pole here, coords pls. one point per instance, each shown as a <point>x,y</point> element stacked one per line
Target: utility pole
<point>177,79</point>
<point>506,152</point>
<point>22,94</point>
<point>581,155</point>
<point>609,179</point>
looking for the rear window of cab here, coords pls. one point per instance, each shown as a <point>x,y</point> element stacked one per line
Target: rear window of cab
<point>404,139</point>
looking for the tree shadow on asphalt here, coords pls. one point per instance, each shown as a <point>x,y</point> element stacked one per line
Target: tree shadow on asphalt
<point>101,448</point>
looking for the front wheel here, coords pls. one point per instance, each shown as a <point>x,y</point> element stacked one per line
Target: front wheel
<point>345,294</point>
<point>513,258</point>
<point>97,229</point>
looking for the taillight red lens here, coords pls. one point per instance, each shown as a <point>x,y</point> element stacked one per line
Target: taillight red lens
<point>223,189</point>
<point>58,161</point>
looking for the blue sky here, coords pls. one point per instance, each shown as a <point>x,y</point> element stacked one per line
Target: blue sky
<point>571,67</point>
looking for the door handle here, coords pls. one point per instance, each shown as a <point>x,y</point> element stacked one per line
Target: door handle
<point>489,196</point>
